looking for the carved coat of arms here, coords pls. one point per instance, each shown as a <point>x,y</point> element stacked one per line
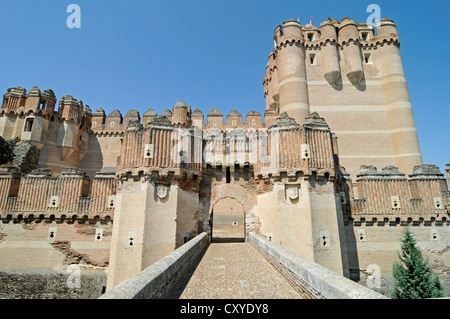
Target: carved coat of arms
<point>161,191</point>
<point>292,192</point>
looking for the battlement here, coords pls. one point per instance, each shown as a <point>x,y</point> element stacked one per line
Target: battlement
<point>68,197</point>
<point>330,30</point>
<point>338,35</point>
<point>390,196</point>
<point>285,148</point>
<point>17,102</point>
<point>180,116</point>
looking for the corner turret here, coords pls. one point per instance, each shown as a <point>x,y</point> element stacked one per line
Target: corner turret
<point>181,115</point>
<point>292,79</point>
<point>349,41</point>
<point>330,59</point>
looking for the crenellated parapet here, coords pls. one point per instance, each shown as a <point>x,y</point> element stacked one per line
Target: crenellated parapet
<point>72,110</point>
<point>386,34</point>
<point>391,197</point>
<point>284,149</point>
<point>298,150</point>
<point>18,103</point>
<point>60,135</point>
<point>346,35</point>
<point>68,197</point>
<point>289,33</point>
<point>331,37</point>
<point>181,116</point>
<point>160,148</point>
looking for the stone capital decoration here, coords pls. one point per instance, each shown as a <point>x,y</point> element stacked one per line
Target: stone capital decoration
<point>162,190</point>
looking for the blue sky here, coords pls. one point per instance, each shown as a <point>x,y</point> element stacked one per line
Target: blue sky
<point>149,54</point>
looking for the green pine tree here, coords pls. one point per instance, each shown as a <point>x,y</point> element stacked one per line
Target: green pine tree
<point>413,276</point>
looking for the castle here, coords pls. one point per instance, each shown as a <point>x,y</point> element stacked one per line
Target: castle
<point>332,172</point>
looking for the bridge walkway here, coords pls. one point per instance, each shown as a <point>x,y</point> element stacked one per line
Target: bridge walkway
<point>234,271</point>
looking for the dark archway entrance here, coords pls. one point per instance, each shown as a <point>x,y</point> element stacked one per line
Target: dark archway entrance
<point>228,221</point>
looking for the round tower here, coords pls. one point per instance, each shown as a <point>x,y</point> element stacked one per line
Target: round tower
<point>181,115</point>
<point>292,83</point>
<point>403,133</point>
<point>330,60</point>
<point>351,52</point>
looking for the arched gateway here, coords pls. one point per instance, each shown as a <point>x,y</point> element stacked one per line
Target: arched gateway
<point>228,221</point>
<point>230,206</point>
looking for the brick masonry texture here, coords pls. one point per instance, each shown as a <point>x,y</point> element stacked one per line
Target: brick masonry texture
<point>330,169</point>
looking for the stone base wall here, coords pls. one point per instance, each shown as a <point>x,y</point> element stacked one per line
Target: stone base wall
<point>33,264</point>
<point>51,285</point>
<point>377,247</point>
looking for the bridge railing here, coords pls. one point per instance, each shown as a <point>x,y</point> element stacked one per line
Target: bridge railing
<point>314,280</point>
<point>160,279</point>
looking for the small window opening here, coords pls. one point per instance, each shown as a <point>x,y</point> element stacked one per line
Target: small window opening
<point>228,175</point>
<point>253,123</point>
<point>28,125</point>
<point>233,123</point>
<point>312,59</point>
<point>111,125</point>
<point>310,37</point>
<point>214,123</point>
<point>43,105</point>
<point>368,58</point>
<point>364,36</point>
<point>94,125</point>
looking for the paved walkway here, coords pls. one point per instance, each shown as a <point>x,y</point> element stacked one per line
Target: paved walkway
<point>235,270</point>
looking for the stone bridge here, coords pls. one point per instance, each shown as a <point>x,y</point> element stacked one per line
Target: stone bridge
<point>257,269</point>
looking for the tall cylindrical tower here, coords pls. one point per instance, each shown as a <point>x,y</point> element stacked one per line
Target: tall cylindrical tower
<point>402,126</point>
<point>330,60</point>
<point>292,82</point>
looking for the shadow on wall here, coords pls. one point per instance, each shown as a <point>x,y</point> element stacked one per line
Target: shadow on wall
<point>92,163</point>
<point>228,240</point>
<point>352,252</point>
<point>350,238</point>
